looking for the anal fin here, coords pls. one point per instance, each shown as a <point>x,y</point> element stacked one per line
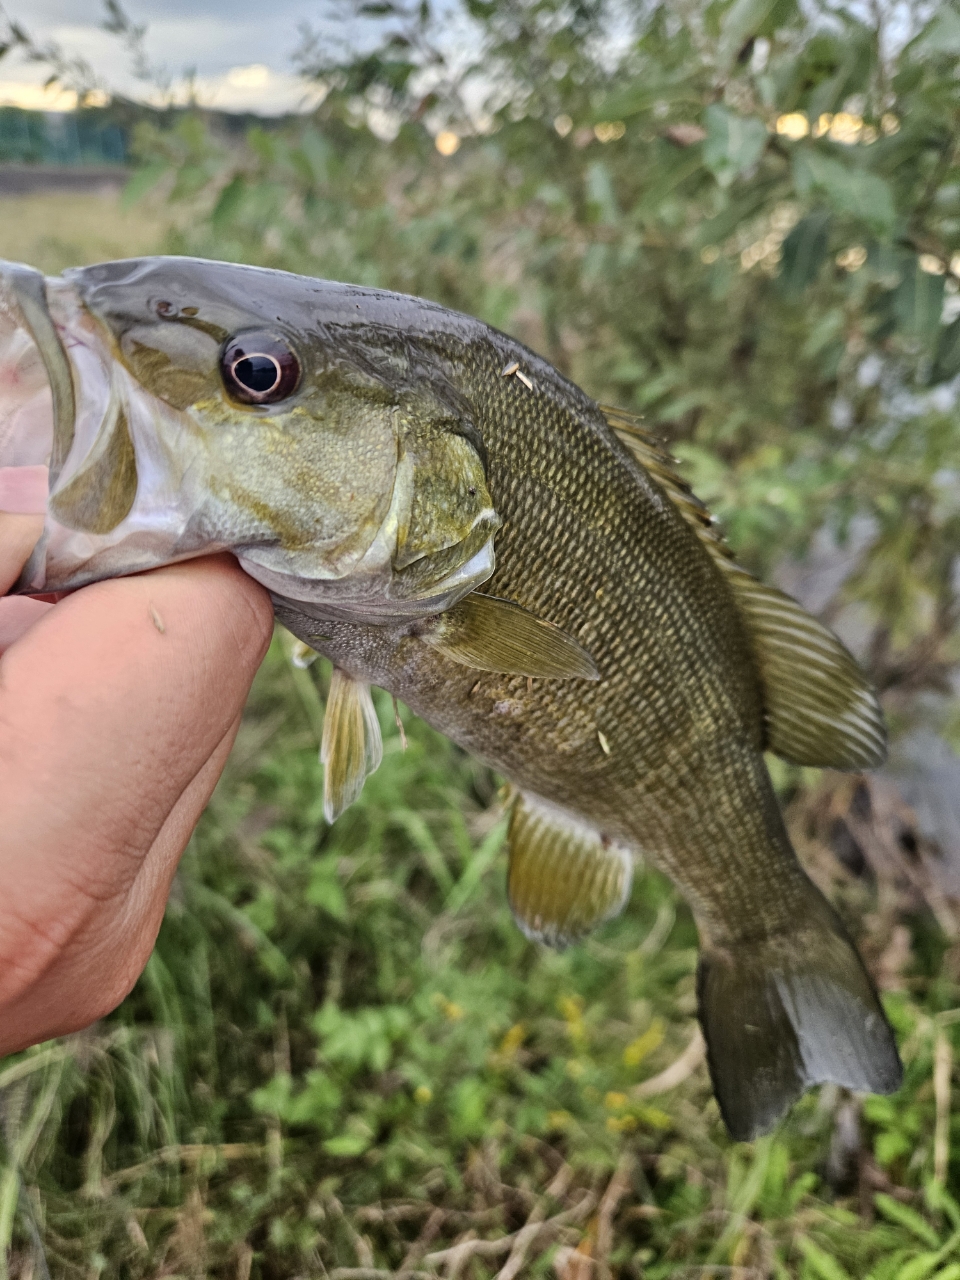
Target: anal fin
<point>564,877</point>
<point>490,634</point>
<point>352,746</point>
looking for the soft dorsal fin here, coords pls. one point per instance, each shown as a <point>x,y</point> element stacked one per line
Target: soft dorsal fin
<point>351,747</point>
<point>564,878</point>
<point>819,708</point>
<point>490,634</point>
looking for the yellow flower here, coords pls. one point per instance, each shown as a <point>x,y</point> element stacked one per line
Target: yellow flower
<point>512,1041</point>
<point>637,1050</point>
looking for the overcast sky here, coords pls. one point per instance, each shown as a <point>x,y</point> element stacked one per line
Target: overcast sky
<point>240,49</point>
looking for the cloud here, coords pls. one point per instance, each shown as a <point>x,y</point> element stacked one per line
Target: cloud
<point>238,53</point>
<point>36,97</point>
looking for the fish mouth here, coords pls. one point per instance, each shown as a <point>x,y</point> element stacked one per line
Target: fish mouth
<point>26,289</point>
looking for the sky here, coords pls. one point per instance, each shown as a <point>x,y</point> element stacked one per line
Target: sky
<point>239,49</point>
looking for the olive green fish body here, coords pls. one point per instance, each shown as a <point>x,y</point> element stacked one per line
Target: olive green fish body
<point>664,751</point>
<point>662,755</point>
<point>444,515</point>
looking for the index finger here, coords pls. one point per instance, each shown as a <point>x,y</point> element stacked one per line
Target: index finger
<point>23,499</point>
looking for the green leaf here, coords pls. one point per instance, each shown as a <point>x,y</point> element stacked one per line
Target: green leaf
<point>940,35</point>
<point>326,891</point>
<point>347,1144</point>
<point>904,1216</point>
<point>804,251</point>
<point>822,1264</point>
<point>946,363</point>
<point>468,1108</point>
<point>889,1146</point>
<point>600,194</point>
<point>848,188</point>
<point>920,1267</point>
<point>144,180</point>
<point>918,302</point>
<point>743,20</point>
<point>228,202</point>
<point>733,143</point>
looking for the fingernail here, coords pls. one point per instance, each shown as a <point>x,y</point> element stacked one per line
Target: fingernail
<point>23,490</point>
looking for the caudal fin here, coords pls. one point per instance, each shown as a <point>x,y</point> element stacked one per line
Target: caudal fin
<point>780,1014</point>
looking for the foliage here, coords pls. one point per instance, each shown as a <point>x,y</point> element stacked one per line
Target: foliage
<point>657,228</point>
<point>741,219</point>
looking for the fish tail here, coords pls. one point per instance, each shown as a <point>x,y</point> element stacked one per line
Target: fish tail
<point>782,1012</point>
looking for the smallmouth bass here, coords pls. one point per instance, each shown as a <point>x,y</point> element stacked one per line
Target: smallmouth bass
<point>442,514</point>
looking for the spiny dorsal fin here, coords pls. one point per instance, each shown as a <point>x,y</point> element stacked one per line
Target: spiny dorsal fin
<point>351,747</point>
<point>490,634</point>
<point>564,878</point>
<point>652,454</point>
<point>819,708</point>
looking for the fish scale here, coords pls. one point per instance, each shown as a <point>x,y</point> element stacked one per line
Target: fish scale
<point>441,513</point>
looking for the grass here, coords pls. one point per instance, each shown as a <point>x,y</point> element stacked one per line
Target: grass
<point>344,1060</point>
<point>55,231</point>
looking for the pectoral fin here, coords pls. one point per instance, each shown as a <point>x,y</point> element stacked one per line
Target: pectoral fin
<point>351,747</point>
<point>490,634</point>
<point>564,878</point>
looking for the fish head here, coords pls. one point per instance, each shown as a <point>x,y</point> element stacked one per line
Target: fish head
<point>194,407</point>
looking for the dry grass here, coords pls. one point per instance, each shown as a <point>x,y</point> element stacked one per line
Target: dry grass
<point>56,230</point>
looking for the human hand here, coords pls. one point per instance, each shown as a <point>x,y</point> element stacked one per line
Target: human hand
<point>118,708</point>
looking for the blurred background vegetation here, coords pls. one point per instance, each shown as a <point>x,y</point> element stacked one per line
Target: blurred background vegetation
<point>742,220</point>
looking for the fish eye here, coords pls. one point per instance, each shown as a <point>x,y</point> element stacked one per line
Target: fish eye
<point>259,368</point>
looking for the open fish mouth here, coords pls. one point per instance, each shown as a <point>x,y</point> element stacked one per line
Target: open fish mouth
<point>24,306</point>
<point>67,403</point>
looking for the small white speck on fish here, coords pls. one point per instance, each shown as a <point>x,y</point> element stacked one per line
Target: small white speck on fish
<point>522,377</point>
<point>157,621</point>
<point>510,370</point>
<point>396,716</point>
<point>604,744</point>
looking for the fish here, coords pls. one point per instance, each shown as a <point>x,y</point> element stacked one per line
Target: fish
<point>442,514</point>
